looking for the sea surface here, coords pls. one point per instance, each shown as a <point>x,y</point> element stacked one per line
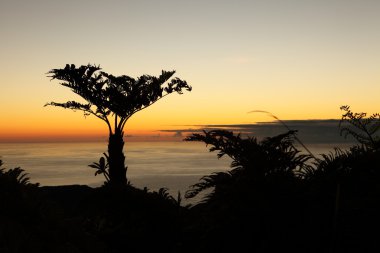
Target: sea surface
<point>173,165</point>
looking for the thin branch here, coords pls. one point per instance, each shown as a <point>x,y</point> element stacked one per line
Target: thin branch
<point>283,123</point>
<point>364,128</point>
<point>106,119</point>
<point>124,121</point>
<point>115,122</point>
<point>121,126</point>
<point>108,124</point>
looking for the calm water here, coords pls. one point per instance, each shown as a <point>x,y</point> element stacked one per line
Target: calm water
<point>175,165</point>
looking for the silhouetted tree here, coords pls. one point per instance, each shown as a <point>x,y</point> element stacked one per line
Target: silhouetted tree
<point>119,97</point>
<point>361,127</point>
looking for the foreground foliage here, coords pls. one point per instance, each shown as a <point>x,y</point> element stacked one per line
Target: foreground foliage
<point>274,199</point>
<point>252,161</point>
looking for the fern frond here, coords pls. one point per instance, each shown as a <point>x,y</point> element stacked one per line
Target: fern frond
<point>362,128</point>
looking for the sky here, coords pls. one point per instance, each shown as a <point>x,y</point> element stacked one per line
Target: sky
<point>297,59</point>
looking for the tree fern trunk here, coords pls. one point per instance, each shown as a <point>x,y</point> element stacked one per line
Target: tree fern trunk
<point>117,169</point>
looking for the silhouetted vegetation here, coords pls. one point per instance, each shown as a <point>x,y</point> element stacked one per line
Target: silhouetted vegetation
<point>362,128</point>
<point>252,161</point>
<point>275,198</point>
<point>101,167</point>
<point>16,177</point>
<point>119,97</point>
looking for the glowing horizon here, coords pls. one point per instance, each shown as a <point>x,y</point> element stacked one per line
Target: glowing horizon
<point>295,59</point>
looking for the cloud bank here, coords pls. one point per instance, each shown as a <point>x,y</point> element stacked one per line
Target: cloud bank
<point>308,131</point>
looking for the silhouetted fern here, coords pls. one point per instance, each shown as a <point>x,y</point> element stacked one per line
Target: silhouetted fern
<point>207,182</point>
<point>362,128</point>
<point>252,160</point>
<point>12,177</point>
<point>330,166</point>
<point>101,167</point>
<point>163,194</point>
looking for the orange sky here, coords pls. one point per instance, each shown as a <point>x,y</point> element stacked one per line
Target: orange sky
<point>296,59</point>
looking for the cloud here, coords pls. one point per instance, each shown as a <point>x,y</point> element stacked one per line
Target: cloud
<point>308,131</point>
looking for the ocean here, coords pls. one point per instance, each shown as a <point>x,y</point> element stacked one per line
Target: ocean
<point>173,165</point>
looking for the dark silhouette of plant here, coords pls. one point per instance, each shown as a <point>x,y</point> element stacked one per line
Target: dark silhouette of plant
<point>351,170</point>
<point>343,177</point>
<point>361,127</point>
<point>163,193</point>
<point>101,167</point>
<point>114,99</point>
<point>14,177</point>
<point>178,201</point>
<point>252,160</point>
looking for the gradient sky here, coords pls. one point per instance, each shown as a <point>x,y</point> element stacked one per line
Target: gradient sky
<point>298,59</point>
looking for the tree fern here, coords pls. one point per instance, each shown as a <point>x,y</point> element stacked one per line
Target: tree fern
<point>114,99</point>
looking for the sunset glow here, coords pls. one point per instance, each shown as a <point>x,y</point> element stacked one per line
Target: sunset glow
<point>296,59</point>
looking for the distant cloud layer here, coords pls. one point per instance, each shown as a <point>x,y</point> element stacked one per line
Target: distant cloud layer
<point>309,131</point>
